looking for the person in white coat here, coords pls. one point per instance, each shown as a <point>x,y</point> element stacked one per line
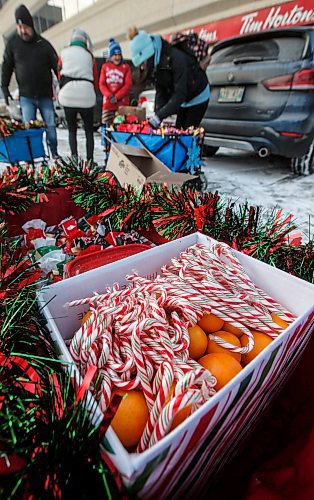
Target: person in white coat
<point>78,80</point>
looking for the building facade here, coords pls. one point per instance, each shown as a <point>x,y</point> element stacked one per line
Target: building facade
<point>102,19</point>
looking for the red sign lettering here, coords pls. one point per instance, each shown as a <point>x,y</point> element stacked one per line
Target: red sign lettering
<point>280,16</point>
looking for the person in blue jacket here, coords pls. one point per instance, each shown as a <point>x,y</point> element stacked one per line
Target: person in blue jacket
<point>181,85</point>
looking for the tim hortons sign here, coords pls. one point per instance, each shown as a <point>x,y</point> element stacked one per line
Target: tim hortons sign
<point>280,16</point>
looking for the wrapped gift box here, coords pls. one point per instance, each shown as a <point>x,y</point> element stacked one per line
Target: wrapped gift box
<point>192,454</point>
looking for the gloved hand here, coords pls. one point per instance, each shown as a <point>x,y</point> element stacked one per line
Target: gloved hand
<point>7,96</point>
<point>113,99</point>
<point>154,121</point>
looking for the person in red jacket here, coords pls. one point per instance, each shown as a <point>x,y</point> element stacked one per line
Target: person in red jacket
<point>114,82</point>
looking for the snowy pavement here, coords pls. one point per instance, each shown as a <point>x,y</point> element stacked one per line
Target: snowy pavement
<point>266,182</point>
<point>241,177</point>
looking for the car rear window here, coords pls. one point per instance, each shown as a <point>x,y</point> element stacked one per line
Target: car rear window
<point>280,49</point>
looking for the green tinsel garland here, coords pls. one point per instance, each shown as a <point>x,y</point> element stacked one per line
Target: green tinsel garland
<point>51,446</point>
<point>51,435</point>
<point>92,188</point>
<point>173,212</point>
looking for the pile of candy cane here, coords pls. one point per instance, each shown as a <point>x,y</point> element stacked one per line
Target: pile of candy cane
<point>217,274</point>
<point>138,337</point>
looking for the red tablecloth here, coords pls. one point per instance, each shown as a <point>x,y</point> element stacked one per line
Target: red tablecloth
<point>59,206</point>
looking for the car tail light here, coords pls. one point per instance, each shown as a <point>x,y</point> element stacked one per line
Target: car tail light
<point>142,100</point>
<point>290,134</point>
<point>301,80</point>
<point>279,82</point>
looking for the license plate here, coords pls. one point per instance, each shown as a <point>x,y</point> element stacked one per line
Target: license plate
<point>231,94</point>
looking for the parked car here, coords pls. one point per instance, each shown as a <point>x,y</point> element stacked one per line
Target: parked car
<point>262,95</point>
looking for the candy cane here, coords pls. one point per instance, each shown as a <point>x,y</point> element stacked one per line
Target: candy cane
<point>180,400</point>
<point>238,270</point>
<point>162,385</point>
<point>234,306</point>
<point>224,312</point>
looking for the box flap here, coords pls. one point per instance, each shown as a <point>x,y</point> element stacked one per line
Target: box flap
<point>171,178</point>
<point>122,167</point>
<point>132,165</point>
<point>129,150</point>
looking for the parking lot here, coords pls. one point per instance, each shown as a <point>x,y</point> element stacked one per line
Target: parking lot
<point>266,182</point>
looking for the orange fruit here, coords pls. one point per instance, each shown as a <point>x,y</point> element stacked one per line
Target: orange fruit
<point>198,342</point>
<point>213,346</point>
<point>131,417</point>
<point>261,340</point>
<point>223,366</point>
<point>85,318</point>
<point>279,321</point>
<point>228,327</point>
<point>210,323</point>
<point>181,416</point>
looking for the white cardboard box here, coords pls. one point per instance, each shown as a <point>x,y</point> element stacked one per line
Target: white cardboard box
<point>197,449</point>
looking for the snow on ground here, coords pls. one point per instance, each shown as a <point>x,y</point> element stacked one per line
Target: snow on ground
<point>241,177</point>
<point>266,182</point>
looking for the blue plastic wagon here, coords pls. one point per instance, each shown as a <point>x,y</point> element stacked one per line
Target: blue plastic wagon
<point>180,153</point>
<point>22,145</point>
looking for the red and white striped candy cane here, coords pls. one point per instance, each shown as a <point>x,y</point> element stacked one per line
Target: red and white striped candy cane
<point>161,387</point>
<point>178,402</point>
<point>242,310</point>
<point>222,249</point>
<point>223,311</point>
<point>105,390</point>
<point>139,360</point>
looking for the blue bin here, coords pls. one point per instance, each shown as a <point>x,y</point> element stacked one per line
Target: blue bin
<point>22,145</point>
<point>178,152</point>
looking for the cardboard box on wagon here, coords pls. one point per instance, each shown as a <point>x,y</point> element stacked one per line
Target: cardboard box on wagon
<point>198,449</point>
<point>138,166</point>
<point>137,111</point>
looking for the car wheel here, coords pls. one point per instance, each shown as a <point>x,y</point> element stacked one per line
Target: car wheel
<point>209,150</point>
<point>304,165</point>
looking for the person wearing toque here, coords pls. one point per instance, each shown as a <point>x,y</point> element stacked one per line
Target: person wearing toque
<point>32,58</point>
<point>114,82</point>
<point>181,85</point>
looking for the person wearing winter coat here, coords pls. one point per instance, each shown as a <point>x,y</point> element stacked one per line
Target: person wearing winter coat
<point>114,82</point>
<point>78,80</point>
<point>181,85</point>
<point>32,58</point>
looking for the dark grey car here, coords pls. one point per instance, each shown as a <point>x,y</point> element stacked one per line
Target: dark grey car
<point>262,95</point>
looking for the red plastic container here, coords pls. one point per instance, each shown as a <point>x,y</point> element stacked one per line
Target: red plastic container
<point>100,258</point>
